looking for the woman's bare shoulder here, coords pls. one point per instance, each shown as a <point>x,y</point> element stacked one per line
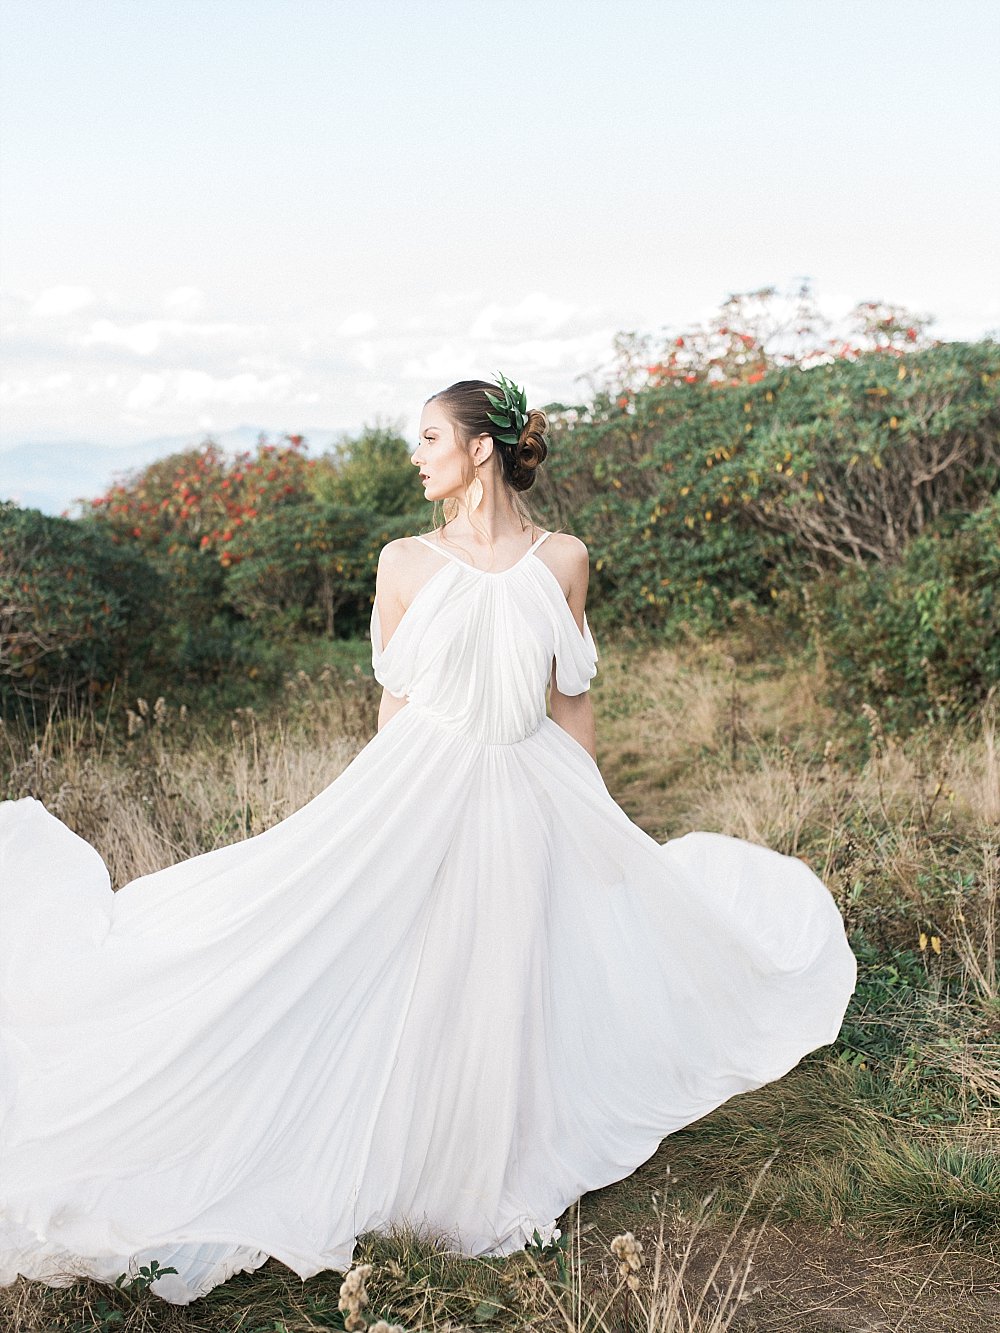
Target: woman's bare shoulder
<point>568,550</point>
<point>402,565</point>
<point>568,558</point>
<point>400,552</point>
<point>567,542</point>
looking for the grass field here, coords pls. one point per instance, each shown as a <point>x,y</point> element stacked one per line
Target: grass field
<point>860,1192</point>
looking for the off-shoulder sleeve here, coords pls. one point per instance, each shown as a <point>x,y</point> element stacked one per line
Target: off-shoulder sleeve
<point>382,658</point>
<point>576,656</point>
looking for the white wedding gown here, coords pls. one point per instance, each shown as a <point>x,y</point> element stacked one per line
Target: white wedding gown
<point>459,987</point>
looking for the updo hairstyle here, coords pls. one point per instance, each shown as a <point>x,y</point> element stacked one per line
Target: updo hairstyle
<point>467,405</point>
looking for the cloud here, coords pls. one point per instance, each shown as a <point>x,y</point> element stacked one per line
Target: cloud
<point>536,316</point>
<point>13,390</point>
<point>438,365</point>
<point>195,386</point>
<point>56,302</point>
<point>148,391</point>
<point>184,301</point>
<point>140,338</point>
<point>146,337</point>
<point>362,321</point>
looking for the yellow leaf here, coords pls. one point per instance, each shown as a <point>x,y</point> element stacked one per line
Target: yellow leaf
<point>893,423</point>
<point>685,489</point>
<point>936,943</point>
<point>902,373</point>
<point>600,563</point>
<point>748,407</point>
<point>923,942</point>
<point>616,483</point>
<point>708,514</point>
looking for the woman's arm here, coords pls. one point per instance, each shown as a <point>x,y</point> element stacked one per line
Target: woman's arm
<point>389,587</point>
<point>574,712</point>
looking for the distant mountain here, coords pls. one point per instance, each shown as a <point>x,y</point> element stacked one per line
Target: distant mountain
<point>51,475</point>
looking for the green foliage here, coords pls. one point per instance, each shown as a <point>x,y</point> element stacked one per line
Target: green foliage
<point>371,471</point>
<point>919,638</point>
<point>855,459</point>
<point>510,409</point>
<point>711,486</point>
<point>258,548</point>
<point>700,499</point>
<point>76,611</point>
<point>143,1278</point>
<point>299,567</point>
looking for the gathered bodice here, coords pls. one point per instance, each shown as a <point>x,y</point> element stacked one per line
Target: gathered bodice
<point>476,649</point>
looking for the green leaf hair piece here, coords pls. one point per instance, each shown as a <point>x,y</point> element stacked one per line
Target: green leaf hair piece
<point>511,410</point>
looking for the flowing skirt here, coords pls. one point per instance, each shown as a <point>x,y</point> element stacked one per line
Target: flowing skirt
<point>458,988</point>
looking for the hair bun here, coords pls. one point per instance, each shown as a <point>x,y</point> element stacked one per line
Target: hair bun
<point>530,450</point>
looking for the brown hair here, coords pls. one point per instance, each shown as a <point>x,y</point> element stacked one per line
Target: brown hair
<point>466,404</point>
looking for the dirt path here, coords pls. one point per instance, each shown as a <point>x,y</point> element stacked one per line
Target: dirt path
<point>810,1279</point>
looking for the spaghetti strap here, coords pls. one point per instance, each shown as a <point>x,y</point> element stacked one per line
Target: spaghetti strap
<point>443,550</point>
<point>440,549</point>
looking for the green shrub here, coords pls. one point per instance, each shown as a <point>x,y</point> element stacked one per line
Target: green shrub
<point>699,499</point>
<point>76,611</point>
<point>919,638</point>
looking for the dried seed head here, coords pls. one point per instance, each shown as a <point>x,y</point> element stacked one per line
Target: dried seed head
<point>874,723</point>
<point>353,1297</point>
<point>629,1250</point>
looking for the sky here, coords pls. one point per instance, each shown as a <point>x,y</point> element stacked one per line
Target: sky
<point>312,214</point>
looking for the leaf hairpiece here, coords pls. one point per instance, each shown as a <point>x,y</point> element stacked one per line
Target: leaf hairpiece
<point>510,412</point>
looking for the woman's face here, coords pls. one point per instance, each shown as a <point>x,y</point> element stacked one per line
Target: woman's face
<point>444,465</point>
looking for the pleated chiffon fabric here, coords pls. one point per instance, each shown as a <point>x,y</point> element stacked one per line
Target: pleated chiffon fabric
<point>458,988</point>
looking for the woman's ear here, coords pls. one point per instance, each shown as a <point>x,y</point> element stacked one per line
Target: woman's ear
<point>482,449</point>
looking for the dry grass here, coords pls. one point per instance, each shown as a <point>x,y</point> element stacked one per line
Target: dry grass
<point>180,785</point>
<point>841,1155</point>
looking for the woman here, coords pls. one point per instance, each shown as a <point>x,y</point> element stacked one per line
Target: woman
<point>489,530</point>
<point>457,988</point>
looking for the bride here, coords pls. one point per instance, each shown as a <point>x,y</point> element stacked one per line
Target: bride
<point>458,988</point>
<point>489,528</point>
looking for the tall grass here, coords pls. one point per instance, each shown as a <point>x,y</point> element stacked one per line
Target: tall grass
<point>892,1132</point>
